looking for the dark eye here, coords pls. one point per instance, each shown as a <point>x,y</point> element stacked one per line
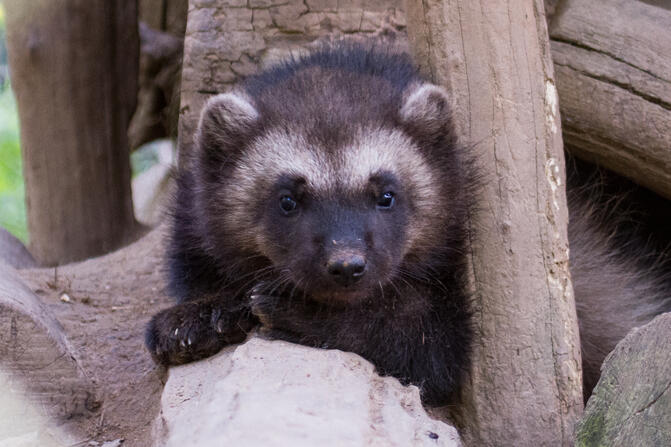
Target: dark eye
<point>288,204</point>
<point>386,200</point>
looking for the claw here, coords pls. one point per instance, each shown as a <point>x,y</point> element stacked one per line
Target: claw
<point>256,290</point>
<point>188,341</point>
<point>214,317</point>
<point>219,327</point>
<point>176,331</point>
<point>182,344</point>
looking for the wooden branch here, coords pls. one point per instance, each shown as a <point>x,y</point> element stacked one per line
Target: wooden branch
<point>613,64</point>
<point>525,384</point>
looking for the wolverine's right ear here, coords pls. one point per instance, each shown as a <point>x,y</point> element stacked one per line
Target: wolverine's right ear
<point>225,119</point>
<point>426,106</point>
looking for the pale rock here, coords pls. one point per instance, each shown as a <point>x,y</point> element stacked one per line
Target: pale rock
<point>273,393</point>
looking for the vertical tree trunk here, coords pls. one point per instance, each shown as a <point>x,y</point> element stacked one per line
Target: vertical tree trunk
<point>74,72</point>
<point>525,384</point>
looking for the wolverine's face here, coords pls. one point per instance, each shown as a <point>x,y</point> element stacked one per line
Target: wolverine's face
<point>336,221</point>
<point>335,203</point>
<point>336,243</point>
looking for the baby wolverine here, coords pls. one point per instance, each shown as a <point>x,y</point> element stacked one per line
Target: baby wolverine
<point>326,199</point>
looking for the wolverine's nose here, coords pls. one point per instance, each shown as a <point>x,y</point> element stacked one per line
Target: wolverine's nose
<point>347,270</point>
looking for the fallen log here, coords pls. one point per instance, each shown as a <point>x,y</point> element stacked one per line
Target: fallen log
<point>35,352</point>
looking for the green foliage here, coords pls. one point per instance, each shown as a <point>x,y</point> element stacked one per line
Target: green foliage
<point>12,195</point>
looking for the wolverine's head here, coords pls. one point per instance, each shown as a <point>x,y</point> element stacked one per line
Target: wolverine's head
<point>336,183</point>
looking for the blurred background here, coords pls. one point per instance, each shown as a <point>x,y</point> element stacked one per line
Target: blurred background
<point>12,193</point>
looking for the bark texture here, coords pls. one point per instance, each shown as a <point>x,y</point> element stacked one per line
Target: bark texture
<point>613,64</point>
<point>74,71</point>
<point>525,382</point>
<point>228,39</point>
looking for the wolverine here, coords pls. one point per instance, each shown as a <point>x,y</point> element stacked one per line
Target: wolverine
<point>327,200</point>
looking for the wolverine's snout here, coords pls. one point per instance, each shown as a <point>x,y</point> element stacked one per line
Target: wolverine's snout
<point>346,267</point>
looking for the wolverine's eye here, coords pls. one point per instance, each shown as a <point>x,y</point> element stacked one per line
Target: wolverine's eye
<point>386,200</point>
<point>288,204</point>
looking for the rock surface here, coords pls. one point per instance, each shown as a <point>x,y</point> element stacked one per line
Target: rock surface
<point>631,404</point>
<point>273,393</point>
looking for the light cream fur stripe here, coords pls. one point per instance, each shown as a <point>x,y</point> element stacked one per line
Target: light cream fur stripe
<point>280,153</point>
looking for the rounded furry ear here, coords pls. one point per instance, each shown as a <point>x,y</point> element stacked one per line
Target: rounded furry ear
<point>224,120</point>
<point>426,106</point>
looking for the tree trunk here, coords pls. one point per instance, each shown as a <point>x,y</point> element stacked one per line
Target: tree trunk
<point>613,61</point>
<point>74,72</point>
<point>525,382</point>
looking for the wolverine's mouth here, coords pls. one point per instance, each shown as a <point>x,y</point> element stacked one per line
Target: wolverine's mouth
<point>343,296</point>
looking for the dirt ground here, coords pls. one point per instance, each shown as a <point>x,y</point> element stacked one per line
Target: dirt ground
<point>110,299</point>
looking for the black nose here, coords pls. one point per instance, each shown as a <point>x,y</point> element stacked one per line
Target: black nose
<point>347,271</point>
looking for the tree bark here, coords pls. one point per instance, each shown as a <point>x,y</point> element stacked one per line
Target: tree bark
<point>525,380</point>
<point>74,72</point>
<point>613,62</point>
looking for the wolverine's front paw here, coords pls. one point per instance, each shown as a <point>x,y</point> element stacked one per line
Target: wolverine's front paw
<point>194,330</point>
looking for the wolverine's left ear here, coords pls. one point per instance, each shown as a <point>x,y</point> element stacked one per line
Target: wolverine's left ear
<point>426,106</point>
<point>224,122</point>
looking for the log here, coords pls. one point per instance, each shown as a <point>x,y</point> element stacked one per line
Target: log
<point>35,352</point>
<point>525,380</point>
<point>613,65</point>
<point>73,65</point>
